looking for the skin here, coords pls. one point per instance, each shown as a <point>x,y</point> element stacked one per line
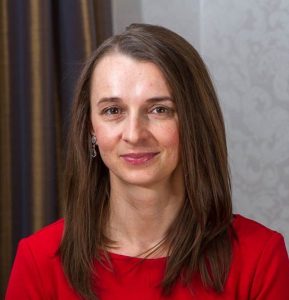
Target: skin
<point>134,119</point>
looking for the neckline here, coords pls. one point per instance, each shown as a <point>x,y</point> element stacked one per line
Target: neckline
<point>119,257</point>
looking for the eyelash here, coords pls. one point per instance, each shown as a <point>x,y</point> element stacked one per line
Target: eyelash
<point>166,109</point>
<point>110,111</point>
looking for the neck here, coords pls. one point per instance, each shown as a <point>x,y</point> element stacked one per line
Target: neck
<point>140,216</point>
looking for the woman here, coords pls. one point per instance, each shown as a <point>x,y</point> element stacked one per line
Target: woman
<point>149,212</point>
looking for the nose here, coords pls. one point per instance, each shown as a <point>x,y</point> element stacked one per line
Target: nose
<point>135,129</point>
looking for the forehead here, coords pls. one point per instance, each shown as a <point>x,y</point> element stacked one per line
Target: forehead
<point>118,72</point>
<point>119,62</point>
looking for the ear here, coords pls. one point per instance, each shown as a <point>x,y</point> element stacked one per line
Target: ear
<point>91,130</point>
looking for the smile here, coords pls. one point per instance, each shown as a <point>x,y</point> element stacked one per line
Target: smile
<point>138,158</point>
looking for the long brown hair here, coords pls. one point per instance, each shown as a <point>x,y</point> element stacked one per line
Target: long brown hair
<point>199,238</point>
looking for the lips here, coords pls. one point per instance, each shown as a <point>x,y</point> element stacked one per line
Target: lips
<point>139,158</point>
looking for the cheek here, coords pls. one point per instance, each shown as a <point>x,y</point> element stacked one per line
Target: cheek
<point>169,136</point>
<point>169,140</point>
<point>174,138</point>
<point>106,145</point>
<point>106,137</point>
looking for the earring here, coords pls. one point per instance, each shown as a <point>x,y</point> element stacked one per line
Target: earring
<point>93,143</point>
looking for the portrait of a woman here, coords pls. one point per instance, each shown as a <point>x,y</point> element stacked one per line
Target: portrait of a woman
<point>148,195</point>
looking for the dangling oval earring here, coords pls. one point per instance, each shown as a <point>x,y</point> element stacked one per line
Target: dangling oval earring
<point>93,143</point>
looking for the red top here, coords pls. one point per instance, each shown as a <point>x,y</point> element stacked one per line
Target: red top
<point>259,270</point>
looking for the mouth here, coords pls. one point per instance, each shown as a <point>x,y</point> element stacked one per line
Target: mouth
<point>138,158</point>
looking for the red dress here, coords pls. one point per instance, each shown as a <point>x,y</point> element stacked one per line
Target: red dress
<point>259,270</point>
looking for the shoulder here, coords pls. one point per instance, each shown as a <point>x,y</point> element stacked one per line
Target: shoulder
<point>255,242</point>
<point>37,272</point>
<point>46,241</point>
<point>260,262</point>
<point>251,233</point>
<point>250,230</point>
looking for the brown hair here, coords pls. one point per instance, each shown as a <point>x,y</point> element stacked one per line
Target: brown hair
<point>199,238</point>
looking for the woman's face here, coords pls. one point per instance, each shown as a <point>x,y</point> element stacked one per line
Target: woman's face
<point>135,122</point>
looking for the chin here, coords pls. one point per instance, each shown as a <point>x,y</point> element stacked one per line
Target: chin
<point>140,181</point>
<point>138,178</point>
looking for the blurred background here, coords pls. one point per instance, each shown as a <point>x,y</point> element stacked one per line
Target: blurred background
<point>44,43</point>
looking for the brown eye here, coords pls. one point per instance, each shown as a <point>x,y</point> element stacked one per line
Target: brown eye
<point>161,110</point>
<point>112,110</point>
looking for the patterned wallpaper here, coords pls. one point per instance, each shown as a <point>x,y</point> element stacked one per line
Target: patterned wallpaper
<point>246,47</point>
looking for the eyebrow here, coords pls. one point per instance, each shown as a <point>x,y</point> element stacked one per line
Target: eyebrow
<point>150,100</point>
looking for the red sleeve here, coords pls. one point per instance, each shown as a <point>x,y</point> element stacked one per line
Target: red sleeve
<point>272,273</point>
<point>24,282</point>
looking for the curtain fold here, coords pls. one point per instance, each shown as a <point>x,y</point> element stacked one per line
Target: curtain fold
<point>43,44</point>
<point>5,150</point>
